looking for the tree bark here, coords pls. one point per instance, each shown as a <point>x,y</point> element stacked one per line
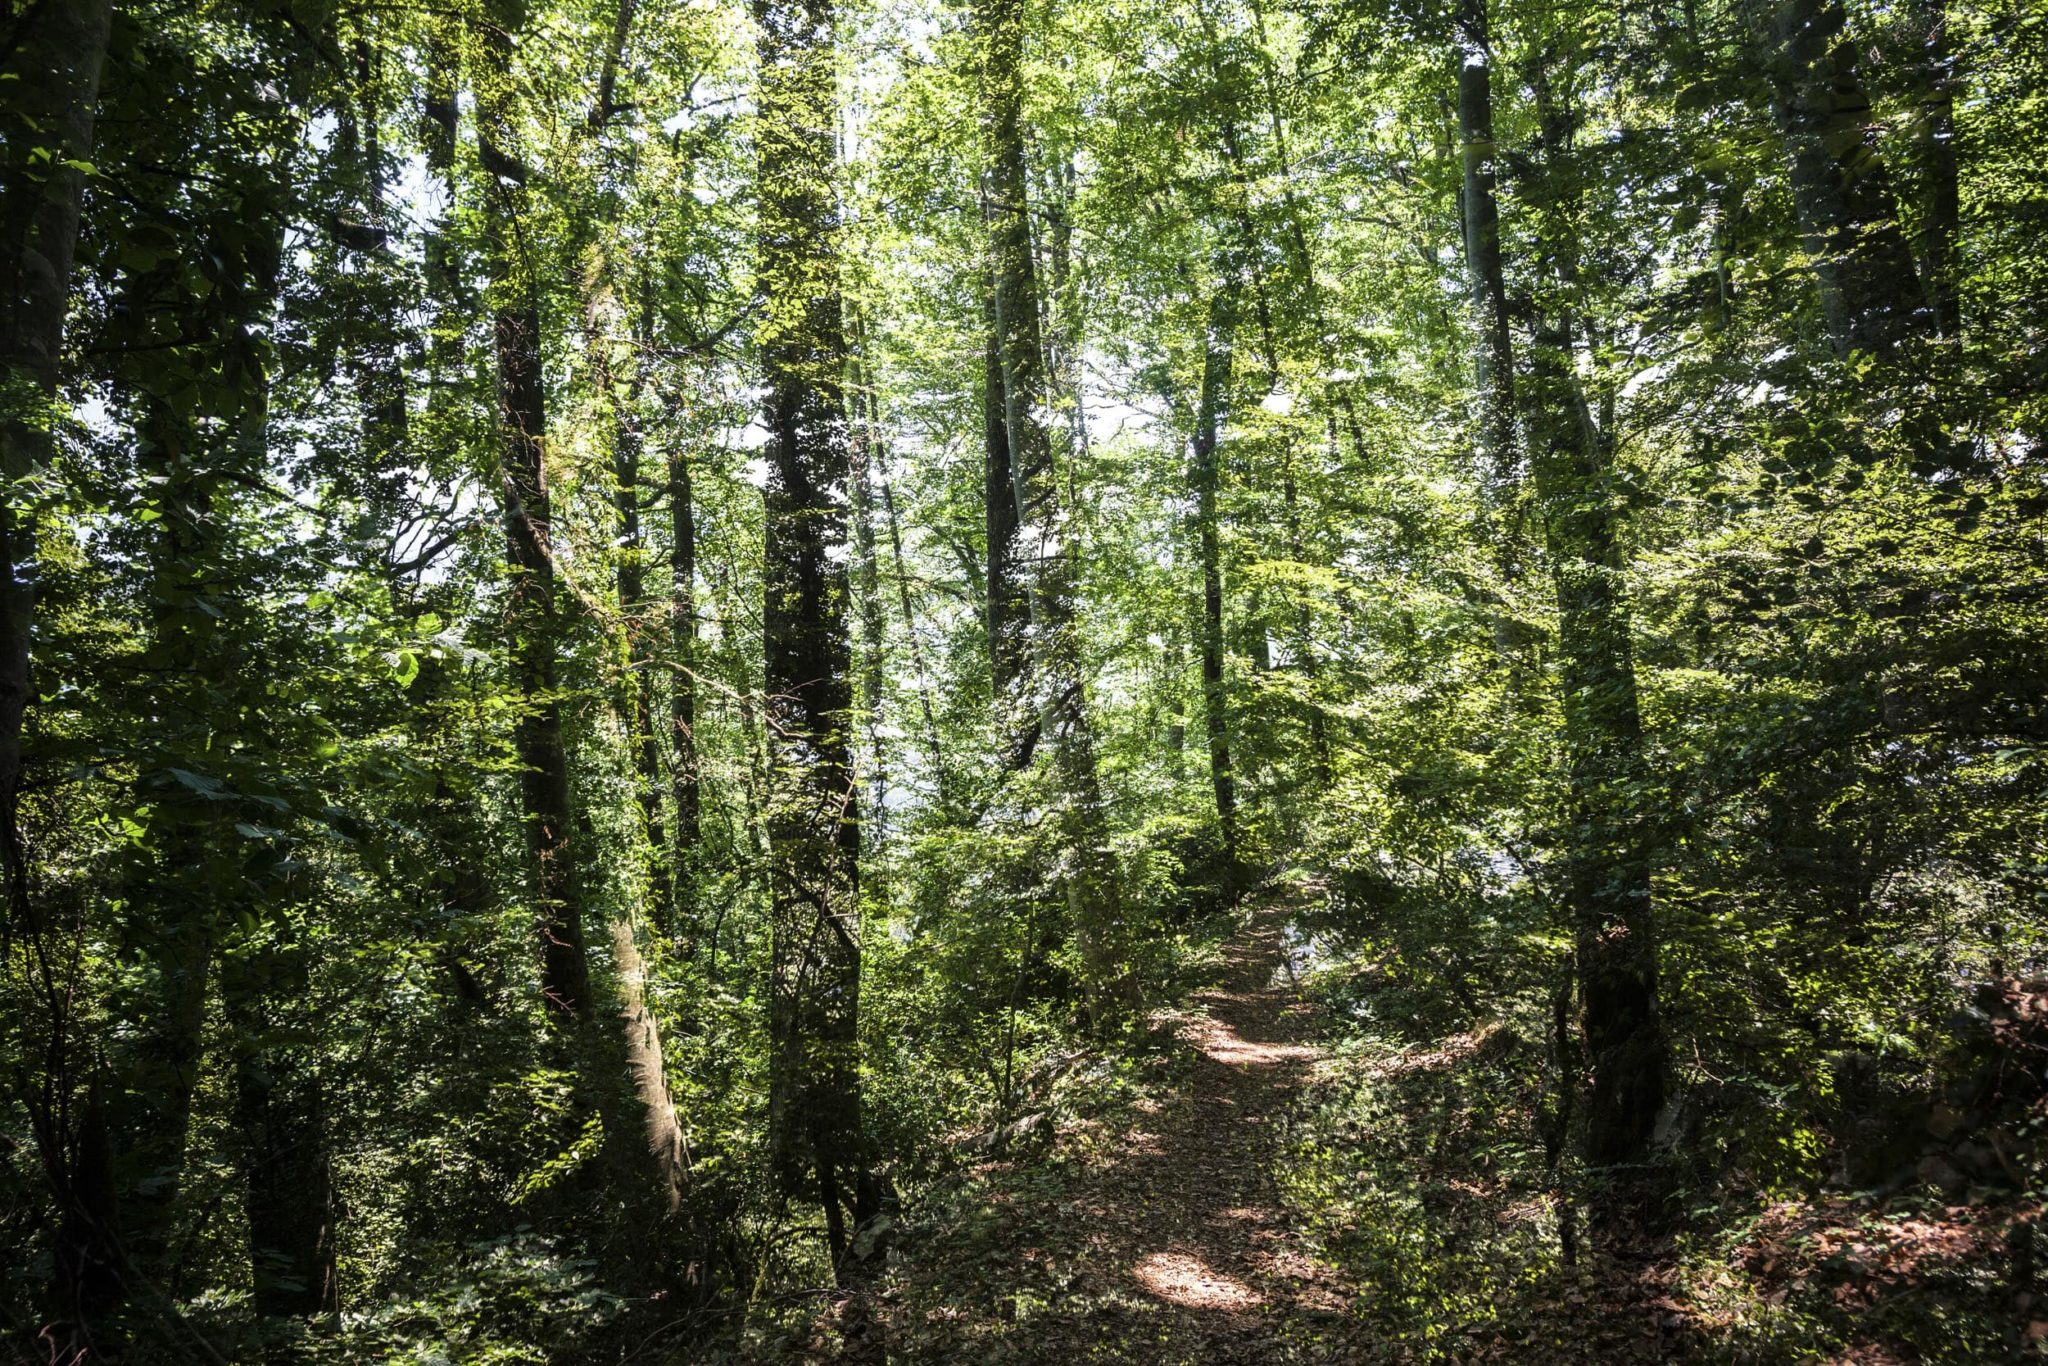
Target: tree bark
<point>1217,358</point>
<point>281,1122</point>
<point>1007,614</point>
<point>618,1052</point>
<point>1055,693</point>
<point>867,581</point>
<point>1607,854</point>
<point>1493,356</point>
<point>816,1124</point>
<point>1933,79</point>
<point>53,67</point>
<point>683,776</point>
<point>1848,218</point>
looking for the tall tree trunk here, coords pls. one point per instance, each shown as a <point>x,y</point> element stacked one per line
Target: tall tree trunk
<point>940,781</point>
<point>1056,692</point>
<point>280,1112</point>
<point>1840,188</point>
<point>440,128</point>
<point>534,614</point>
<point>281,1122</point>
<point>867,436</point>
<point>627,452</point>
<point>1301,264</point>
<point>1007,614</point>
<point>817,1129</point>
<point>1304,623</point>
<point>1493,358</point>
<point>375,369</point>
<point>1933,79</point>
<point>620,1049</point>
<point>683,776</point>
<point>53,76</point>
<point>186,875</point>
<point>1207,478</point>
<point>1608,857</point>
<point>618,384</point>
<point>1066,299</point>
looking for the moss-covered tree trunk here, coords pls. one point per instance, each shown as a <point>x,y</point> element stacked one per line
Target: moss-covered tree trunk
<point>614,1043</point>
<point>1492,351</point>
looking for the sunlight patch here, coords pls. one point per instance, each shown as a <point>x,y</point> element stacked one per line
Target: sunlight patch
<point>1223,1044</point>
<point>1179,1278</point>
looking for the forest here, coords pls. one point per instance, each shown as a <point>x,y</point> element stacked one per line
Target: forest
<point>1186,681</point>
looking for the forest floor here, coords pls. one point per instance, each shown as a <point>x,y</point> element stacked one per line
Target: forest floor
<point>1156,1235</point>
<point>1136,1215</point>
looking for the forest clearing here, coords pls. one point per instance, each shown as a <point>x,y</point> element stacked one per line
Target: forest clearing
<point>1201,681</point>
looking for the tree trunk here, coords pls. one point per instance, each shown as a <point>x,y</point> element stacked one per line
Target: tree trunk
<point>1607,854</point>
<point>1934,163</point>
<point>683,778</point>
<point>1847,217</point>
<point>1066,298</point>
<point>281,1123</point>
<point>816,1124</point>
<point>619,1056</point>
<point>627,451</point>
<point>440,127</point>
<point>1494,365</point>
<point>940,781</point>
<point>1207,479</point>
<point>53,71</point>
<point>1056,693</point>
<point>1008,615</point>
<point>867,568</point>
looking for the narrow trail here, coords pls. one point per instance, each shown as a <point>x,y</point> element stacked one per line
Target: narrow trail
<point>1170,1242</point>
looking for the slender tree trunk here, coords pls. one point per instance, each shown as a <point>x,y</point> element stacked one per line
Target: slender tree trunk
<point>1304,623</point>
<point>281,1119</point>
<point>280,1111</point>
<point>1066,295</point>
<point>683,776</point>
<point>375,369</point>
<point>534,614</point>
<point>924,693</point>
<point>1056,689</point>
<point>440,127</point>
<point>1294,241</point>
<point>620,1051</point>
<point>53,70</point>
<point>1007,614</point>
<point>1207,479</point>
<point>1494,364</point>
<point>815,1115</point>
<point>1608,857</point>
<point>627,453</point>
<point>1840,188</point>
<point>1934,163</point>
<point>866,434</point>
<point>53,78</point>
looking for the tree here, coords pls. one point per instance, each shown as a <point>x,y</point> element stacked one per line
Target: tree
<point>813,815</point>
<point>1053,692</point>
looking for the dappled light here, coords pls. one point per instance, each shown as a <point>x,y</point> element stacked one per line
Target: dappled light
<point>1185,1280</point>
<point>1168,683</point>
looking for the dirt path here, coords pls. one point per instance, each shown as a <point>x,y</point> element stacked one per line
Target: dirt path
<point>1170,1243</point>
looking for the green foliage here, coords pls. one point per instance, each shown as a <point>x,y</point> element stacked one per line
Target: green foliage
<point>273,966</point>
